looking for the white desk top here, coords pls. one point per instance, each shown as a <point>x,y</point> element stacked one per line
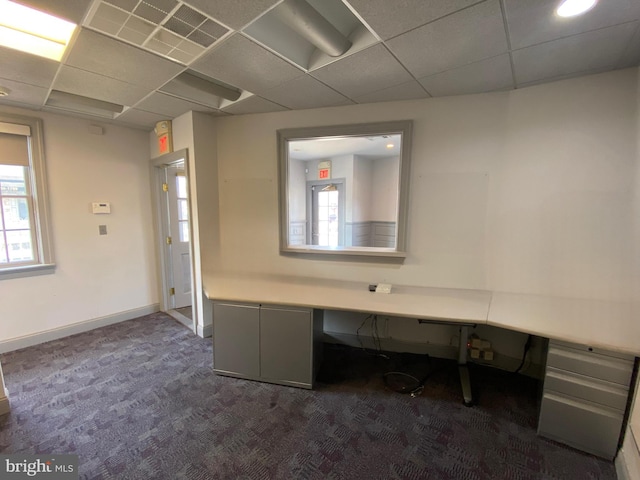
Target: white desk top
<point>451,305</point>
<point>607,325</point>
<point>603,324</point>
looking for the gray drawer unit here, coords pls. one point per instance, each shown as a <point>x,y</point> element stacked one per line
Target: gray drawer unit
<point>580,424</point>
<point>585,397</point>
<point>275,344</point>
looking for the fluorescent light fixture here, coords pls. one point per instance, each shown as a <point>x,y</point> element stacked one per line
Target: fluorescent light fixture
<point>78,103</point>
<point>207,86</point>
<point>31,31</point>
<point>571,8</point>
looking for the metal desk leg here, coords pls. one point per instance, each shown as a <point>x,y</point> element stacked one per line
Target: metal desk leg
<point>462,367</point>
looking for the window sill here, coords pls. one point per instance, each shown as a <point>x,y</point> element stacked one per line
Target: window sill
<point>27,271</point>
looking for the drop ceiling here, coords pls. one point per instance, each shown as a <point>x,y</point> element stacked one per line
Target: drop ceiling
<point>149,59</point>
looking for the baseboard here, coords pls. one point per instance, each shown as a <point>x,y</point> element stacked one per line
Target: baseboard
<point>56,333</point>
<point>628,459</point>
<point>5,407</point>
<point>186,321</point>
<point>204,331</point>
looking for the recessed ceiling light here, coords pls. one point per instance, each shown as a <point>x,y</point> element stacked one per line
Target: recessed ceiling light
<point>571,8</point>
<point>31,31</point>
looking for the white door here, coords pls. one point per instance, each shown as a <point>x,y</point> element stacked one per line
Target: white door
<point>178,234</point>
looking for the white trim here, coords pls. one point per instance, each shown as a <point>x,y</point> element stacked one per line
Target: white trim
<point>5,406</point>
<point>628,459</point>
<point>85,326</point>
<point>186,321</point>
<point>205,331</point>
<point>27,271</point>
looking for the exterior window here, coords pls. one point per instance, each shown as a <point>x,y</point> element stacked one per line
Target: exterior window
<point>25,246</point>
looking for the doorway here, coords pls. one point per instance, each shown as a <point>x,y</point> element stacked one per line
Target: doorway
<point>173,212</point>
<point>326,207</point>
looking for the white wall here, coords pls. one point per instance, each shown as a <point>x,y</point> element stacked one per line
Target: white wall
<point>525,191</point>
<point>96,276</point>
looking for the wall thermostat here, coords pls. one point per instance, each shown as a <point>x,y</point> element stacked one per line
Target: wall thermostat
<point>104,207</point>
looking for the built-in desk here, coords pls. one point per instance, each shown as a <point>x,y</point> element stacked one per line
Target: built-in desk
<point>599,333</point>
<point>456,306</point>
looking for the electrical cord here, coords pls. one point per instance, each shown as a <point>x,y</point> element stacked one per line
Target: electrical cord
<point>527,346</point>
<point>397,381</point>
<point>375,335</point>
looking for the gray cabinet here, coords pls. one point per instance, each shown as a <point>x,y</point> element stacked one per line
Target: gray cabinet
<point>585,397</point>
<point>276,344</point>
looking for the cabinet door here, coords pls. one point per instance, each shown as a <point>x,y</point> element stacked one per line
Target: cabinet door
<point>236,340</point>
<point>286,345</point>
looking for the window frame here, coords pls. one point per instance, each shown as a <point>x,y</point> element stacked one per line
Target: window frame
<point>44,262</point>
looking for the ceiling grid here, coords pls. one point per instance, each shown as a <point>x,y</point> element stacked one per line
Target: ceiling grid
<point>149,60</point>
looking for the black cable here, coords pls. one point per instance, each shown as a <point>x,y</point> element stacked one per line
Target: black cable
<point>374,331</point>
<point>417,386</point>
<point>527,346</point>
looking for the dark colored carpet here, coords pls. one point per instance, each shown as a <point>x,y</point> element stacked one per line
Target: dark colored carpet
<point>138,400</point>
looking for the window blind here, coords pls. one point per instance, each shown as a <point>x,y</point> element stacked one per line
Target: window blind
<point>14,144</point>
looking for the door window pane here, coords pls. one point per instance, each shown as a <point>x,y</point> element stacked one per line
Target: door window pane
<point>181,186</point>
<point>328,220</point>
<point>184,231</point>
<point>183,210</point>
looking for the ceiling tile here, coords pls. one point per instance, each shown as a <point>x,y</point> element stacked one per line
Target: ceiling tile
<point>531,23</point>
<point>100,54</point>
<point>305,92</point>
<point>406,91</point>
<point>170,106</point>
<point>578,53</point>
<point>23,94</point>
<point>483,76</point>
<point>233,13</point>
<point>240,62</point>
<point>389,20</point>
<point>72,10</point>
<point>253,104</point>
<point>468,36</point>
<point>93,85</point>
<point>363,72</point>
<point>26,68</point>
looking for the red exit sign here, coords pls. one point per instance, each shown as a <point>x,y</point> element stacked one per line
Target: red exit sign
<point>323,173</point>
